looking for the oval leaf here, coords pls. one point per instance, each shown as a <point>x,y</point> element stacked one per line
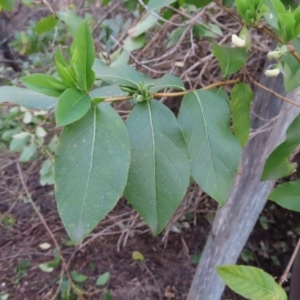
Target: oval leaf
<point>159,171</point>
<point>103,279</point>
<point>107,92</point>
<point>214,151</point>
<point>91,168</point>
<point>230,59</point>
<point>251,283</point>
<point>287,195</point>
<point>72,106</point>
<point>122,75</point>
<point>45,24</point>
<point>26,98</point>
<point>83,55</point>
<point>168,81</point>
<point>241,98</point>
<point>278,163</point>
<point>44,84</point>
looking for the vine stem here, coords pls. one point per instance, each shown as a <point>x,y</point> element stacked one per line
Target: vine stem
<point>272,92</point>
<point>210,86</point>
<point>283,278</point>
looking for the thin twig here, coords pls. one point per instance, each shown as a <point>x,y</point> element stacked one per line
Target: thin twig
<point>229,12</point>
<point>271,91</point>
<point>182,93</point>
<point>287,269</point>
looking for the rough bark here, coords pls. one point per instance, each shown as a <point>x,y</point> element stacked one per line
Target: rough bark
<point>235,220</point>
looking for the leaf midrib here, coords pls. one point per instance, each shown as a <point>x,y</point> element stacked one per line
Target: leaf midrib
<point>153,154</point>
<point>206,133</point>
<point>91,165</point>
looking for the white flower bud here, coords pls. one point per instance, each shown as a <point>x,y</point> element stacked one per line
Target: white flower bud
<point>274,54</point>
<point>272,72</point>
<point>237,41</point>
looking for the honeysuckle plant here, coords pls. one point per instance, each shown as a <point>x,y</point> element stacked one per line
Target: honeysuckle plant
<point>153,155</point>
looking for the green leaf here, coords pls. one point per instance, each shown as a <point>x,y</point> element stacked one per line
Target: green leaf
<point>91,168</point>
<point>242,6</point>
<point>122,75</point>
<point>46,268</point>
<point>28,152</point>
<point>7,4</point>
<point>143,26</point>
<point>159,171</point>
<point>228,3</point>
<point>278,6</point>
<point>72,106</point>
<point>158,4</point>
<point>107,92</point>
<point>26,98</point>
<point>209,30</point>
<point>175,36</point>
<point>168,81</point>
<point>251,283</point>
<point>47,173</point>
<point>44,84</point>
<point>66,74</point>
<point>230,59</point>
<point>287,195</point>
<point>103,279</point>
<point>291,71</point>
<point>221,93</point>
<point>19,141</point>
<point>278,163</point>
<point>77,277</point>
<point>71,20</point>
<point>83,55</point>
<point>198,3</point>
<point>45,24</point>
<point>137,256</point>
<point>286,26</point>
<point>214,151</point>
<point>241,98</point>
<point>106,295</point>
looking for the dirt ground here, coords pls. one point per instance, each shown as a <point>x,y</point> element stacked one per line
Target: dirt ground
<point>170,259</point>
<point>168,266</point>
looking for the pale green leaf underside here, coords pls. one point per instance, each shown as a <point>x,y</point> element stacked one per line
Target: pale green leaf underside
<point>107,92</point>
<point>91,168</point>
<point>166,81</point>
<point>159,171</point>
<point>278,163</point>
<point>214,151</point>
<point>26,98</point>
<point>121,75</point>
<point>287,195</point>
<point>251,283</point>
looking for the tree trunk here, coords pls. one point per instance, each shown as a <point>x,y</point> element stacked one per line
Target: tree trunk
<point>235,220</point>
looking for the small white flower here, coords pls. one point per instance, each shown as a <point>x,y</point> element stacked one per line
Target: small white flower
<point>237,41</point>
<point>45,246</point>
<point>274,54</point>
<point>273,72</point>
